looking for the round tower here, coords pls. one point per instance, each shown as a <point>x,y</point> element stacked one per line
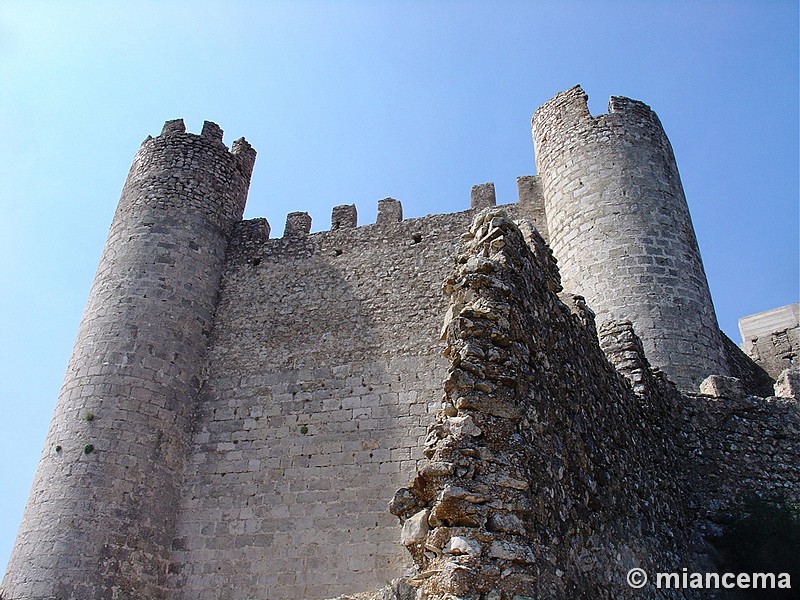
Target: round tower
<point>620,228</point>
<point>100,516</point>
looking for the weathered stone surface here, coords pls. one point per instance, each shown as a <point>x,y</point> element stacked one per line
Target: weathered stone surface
<point>788,384</point>
<point>458,545</point>
<point>719,386</point>
<point>240,409</point>
<point>600,175</point>
<point>415,528</point>
<point>505,550</point>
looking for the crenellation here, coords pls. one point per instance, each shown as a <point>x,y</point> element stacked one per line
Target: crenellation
<point>249,235</point>
<point>389,211</point>
<point>530,197</point>
<point>245,155</point>
<point>482,196</point>
<point>344,217</point>
<point>212,131</point>
<point>173,126</point>
<point>239,410</point>
<point>298,224</point>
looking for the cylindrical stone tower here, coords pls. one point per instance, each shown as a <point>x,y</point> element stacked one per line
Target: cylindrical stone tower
<point>620,228</point>
<point>99,520</point>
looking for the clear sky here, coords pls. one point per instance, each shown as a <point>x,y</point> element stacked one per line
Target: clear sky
<point>350,102</point>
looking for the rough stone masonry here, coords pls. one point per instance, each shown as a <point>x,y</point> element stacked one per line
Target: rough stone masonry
<point>417,401</point>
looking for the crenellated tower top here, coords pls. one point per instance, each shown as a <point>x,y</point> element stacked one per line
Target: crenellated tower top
<point>619,225</point>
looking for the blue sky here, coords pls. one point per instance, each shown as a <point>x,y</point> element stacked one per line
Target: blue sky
<point>350,102</point>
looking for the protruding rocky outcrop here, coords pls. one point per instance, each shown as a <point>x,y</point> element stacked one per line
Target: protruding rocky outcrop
<point>518,480</point>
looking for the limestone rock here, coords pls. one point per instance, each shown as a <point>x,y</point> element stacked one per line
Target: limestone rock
<point>461,545</point>
<point>415,528</point>
<point>719,386</point>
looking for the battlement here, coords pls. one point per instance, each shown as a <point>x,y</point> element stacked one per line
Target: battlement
<point>570,108</point>
<point>211,134</point>
<point>566,108</point>
<point>529,205</point>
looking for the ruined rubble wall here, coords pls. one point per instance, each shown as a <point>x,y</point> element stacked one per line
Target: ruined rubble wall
<point>737,445</point>
<point>546,475</point>
<point>325,365</point>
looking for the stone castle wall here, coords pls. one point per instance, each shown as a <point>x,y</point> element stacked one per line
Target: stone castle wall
<point>325,365</point>
<point>325,369</point>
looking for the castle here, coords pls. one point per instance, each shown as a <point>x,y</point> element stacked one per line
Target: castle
<point>511,402</point>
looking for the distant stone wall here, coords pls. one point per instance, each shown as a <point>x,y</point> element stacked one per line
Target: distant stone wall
<point>737,444</point>
<point>772,338</point>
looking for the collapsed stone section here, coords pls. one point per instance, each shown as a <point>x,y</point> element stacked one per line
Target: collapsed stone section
<point>527,490</point>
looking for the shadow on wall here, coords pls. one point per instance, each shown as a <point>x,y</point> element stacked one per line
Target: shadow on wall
<point>762,535</point>
<point>313,414</point>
